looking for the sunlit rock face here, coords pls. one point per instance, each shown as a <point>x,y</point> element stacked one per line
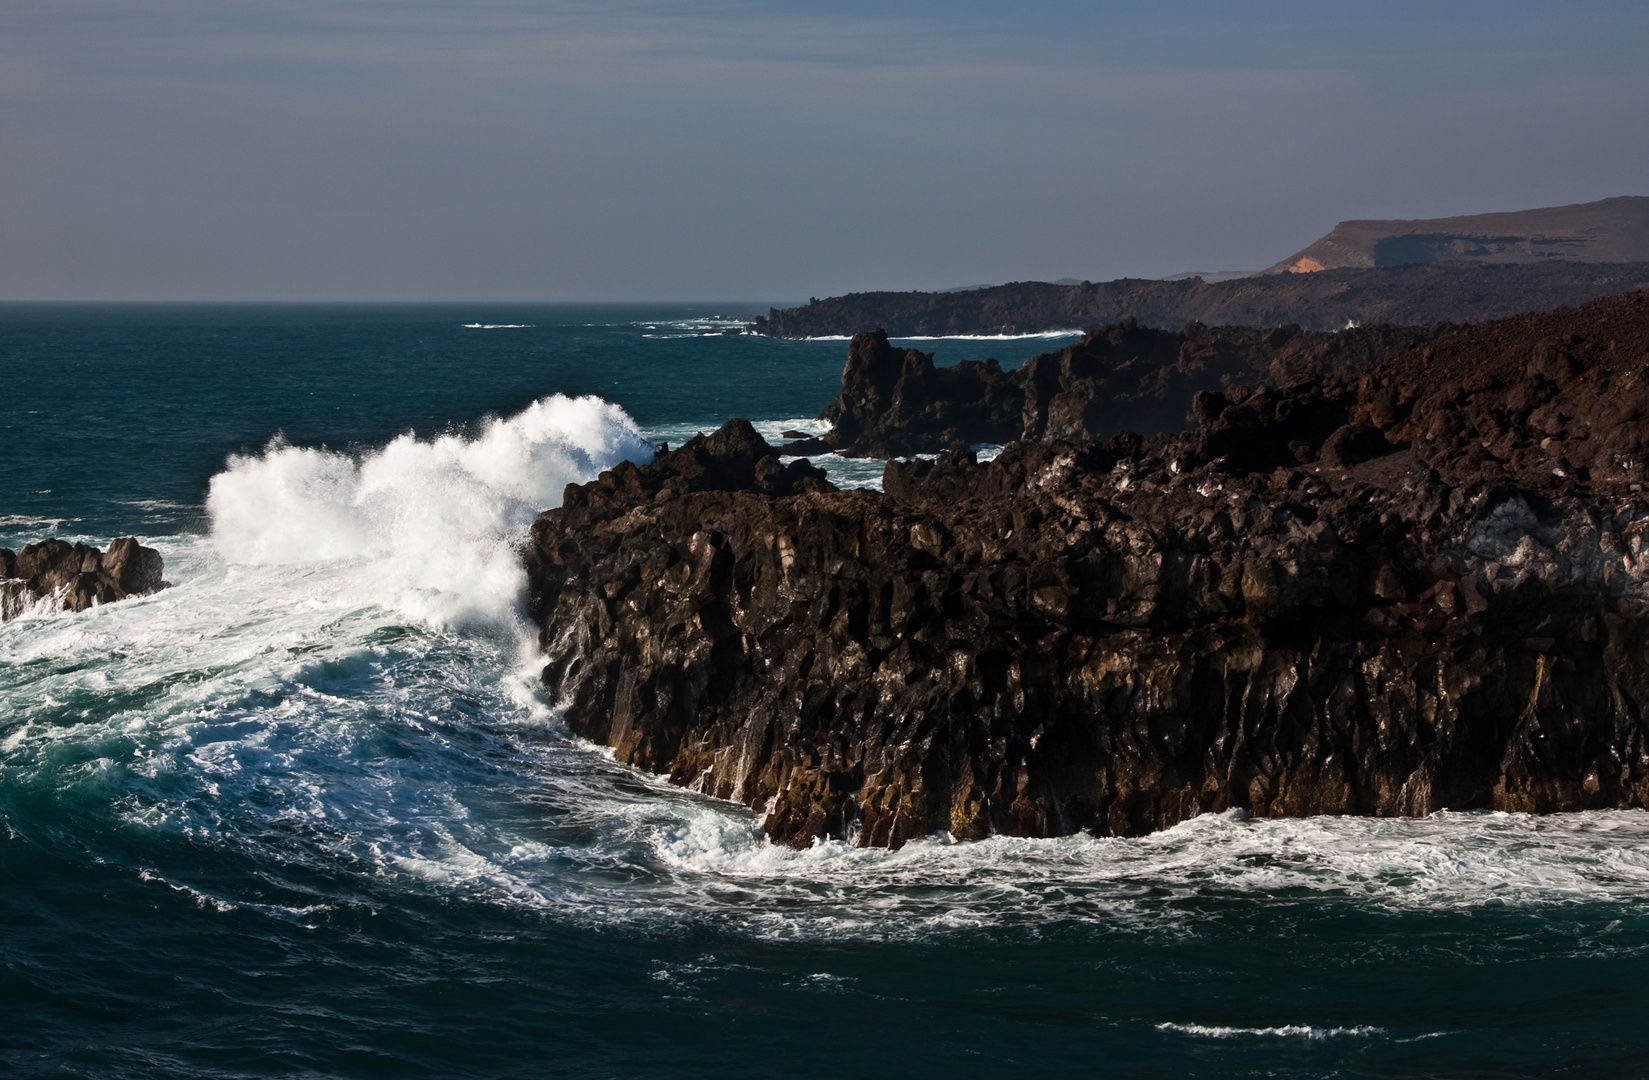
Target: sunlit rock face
<point>1607,231</point>
<point>74,577</point>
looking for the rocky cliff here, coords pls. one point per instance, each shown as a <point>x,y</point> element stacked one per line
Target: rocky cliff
<point>1424,586</point>
<point>1407,295</point>
<point>76,576</point>
<point>896,403</point>
<point>1609,230</point>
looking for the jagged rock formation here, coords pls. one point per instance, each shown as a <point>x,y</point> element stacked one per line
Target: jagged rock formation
<point>1409,295</point>
<point>1424,587</point>
<point>1609,230</point>
<point>896,403</point>
<point>76,576</point>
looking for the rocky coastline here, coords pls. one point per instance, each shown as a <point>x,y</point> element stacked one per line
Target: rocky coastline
<point>1416,583</point>
<point>1409,295</point>
<point>898,402</point>
<point>76,576</point>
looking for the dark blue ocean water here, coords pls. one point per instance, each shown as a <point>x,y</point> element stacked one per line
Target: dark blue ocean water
<point>305,813</point>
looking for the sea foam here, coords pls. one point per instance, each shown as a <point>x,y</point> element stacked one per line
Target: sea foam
<point>1283,1031</point>
<point>431,520</point>
<point>278,703</point>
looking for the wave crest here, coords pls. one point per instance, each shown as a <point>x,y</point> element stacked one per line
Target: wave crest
<point>432,518</point>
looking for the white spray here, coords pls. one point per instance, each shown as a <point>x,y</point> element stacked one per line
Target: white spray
<point>430,523</point>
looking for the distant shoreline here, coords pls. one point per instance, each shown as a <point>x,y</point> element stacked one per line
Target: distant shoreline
<point>1412,295</point>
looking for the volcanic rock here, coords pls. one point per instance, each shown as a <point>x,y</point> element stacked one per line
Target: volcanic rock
<point>1413,294</point>
<point>76,576</point>
<point>896,403</point>
<point>1422,586</point>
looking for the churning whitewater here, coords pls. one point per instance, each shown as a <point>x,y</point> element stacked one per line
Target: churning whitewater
<point>308,809</point>
<point>430,525</point>
<point>342,664</point>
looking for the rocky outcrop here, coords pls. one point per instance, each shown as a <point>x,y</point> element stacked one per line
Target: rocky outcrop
<point>1404,295</point>
<point>76,576</point>
<point>1426,586</point>
<point>896,403</point>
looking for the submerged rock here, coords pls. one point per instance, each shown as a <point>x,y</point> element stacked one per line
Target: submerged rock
<point>1425,586</point>
<point>76,576</point>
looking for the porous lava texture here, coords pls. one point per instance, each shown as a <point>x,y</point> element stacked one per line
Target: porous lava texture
<point>1423,587</point>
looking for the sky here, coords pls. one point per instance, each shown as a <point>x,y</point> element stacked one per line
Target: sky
<point>769,150</point>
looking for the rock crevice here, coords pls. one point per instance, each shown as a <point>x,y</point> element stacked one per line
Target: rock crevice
<point>1422,586</point>
<point>897,402</point>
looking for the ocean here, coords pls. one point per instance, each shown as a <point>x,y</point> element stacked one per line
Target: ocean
<point>307,813</point>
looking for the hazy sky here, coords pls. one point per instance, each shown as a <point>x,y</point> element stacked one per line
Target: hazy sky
<point>507,149</point>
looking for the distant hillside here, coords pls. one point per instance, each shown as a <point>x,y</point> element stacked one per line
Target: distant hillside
<point>1607,231</point>
<point>1413,295</point>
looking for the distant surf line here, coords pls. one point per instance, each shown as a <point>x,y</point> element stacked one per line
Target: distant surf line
<point>958,337</point>
<point>498,326</point>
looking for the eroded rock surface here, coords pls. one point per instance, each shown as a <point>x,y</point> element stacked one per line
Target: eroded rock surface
<point>76,576</point>
<point>1426,586</point>
<point>896,402</point>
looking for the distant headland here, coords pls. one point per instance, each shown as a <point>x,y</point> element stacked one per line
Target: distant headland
<point>1463,269</point>
<point>1607,231</point>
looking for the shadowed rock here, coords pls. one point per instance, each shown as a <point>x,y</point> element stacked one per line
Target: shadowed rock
<point>896,403</point>
<point>1421,586</point>
<point>1408,295</point>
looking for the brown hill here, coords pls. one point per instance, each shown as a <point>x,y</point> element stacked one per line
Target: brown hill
<point>1609,230</point>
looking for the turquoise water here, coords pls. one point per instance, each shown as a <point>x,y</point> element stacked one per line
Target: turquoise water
<point>305,813</point>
